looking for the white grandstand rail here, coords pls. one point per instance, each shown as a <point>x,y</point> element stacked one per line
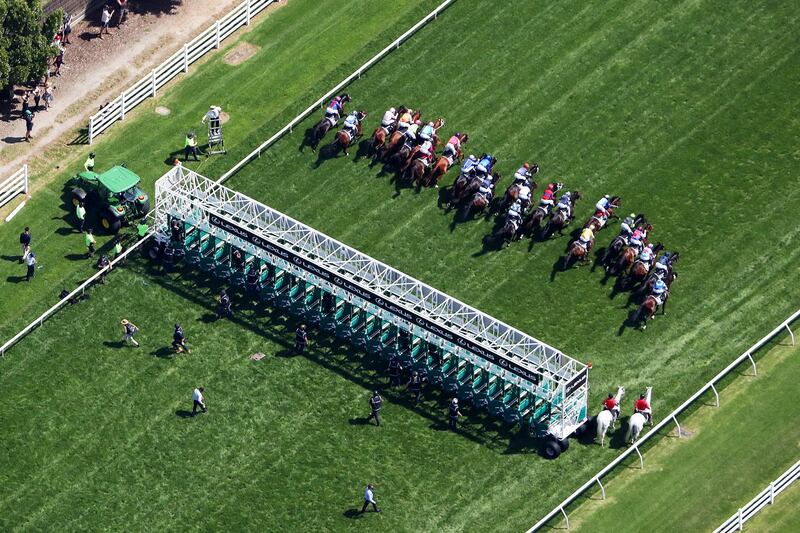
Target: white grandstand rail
<point>764,498</point>
<point>178,63</point>
<point>189,196</point>
<point>394,45</point>
<point>667,420</point>
<point>79,290</point>
<point>15,184</point>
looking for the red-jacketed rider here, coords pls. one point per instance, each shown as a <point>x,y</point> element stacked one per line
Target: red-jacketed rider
<point>642,406</point>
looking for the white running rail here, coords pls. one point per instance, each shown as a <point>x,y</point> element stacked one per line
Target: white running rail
<point>177,63</point>
<point>78,291</point>
<point>764,498</point>
<point>394,45</point>
<point>15,184</point>
<point>782,328</point>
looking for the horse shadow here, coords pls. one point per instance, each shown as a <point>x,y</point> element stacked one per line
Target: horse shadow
<point>308,140</point>
<point>363,150</point>
<point>629,322</point>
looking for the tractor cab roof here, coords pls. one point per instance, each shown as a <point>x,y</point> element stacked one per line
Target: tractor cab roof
<point>117,179</point>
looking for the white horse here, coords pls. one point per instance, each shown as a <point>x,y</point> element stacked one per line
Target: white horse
<point>605,419</point>
<point>637,421</point>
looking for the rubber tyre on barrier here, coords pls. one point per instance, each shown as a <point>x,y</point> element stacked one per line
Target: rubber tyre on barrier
<point>551,449</point>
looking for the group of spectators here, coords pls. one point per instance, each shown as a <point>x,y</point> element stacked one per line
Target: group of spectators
<point>118,7</point>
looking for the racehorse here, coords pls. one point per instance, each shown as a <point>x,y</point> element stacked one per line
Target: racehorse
<point>558,219</point>
<point>415,171</point>
<point>626,259</point>
<point>478,201</point>
<point>443,164</point>
<point>616,246</point>
<point>637,421</point>
<point>605,419</point>
<point>532,222</point>
<point>647,310</point>
<point>647,286</point>
<point>639,269</point>
<point>578,250</point>
<point>320,130</point>
<point>396,140</point>
<point>511,195</point>
<point>600,222</point>
<point>507,232</point>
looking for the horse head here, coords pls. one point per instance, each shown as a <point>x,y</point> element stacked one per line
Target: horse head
<point>438,123</point>
<point>464,138</point>
<point>574,197</point>
<point>615,201</point>
<point>496,177</point>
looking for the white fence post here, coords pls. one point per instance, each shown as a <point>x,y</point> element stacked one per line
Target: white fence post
<point>91,127</point>
<point>750,356</point>
<point>122,106</point>
<point>741,522</point>
<point>218,36</point>
<point>791,333</point>
<point>715,393</point>
<point>602,488</point>
<point>153,77</point>
<point>247,20</point>
<point>679,426</point>
<point>772,493</point>
<point>25,170</point>
<point>185,58</point>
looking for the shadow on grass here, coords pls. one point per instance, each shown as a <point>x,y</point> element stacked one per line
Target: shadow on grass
<point>182,413</point>
<point>353,514</point>
<point>15,279</point>
<point>164,353</point>
<point>365,370</point>
<point>114,344</point>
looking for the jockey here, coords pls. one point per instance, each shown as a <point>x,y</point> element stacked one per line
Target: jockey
<point>637,238</point>
<point>423,151</point>
<point>389,119</point>
<point>603,205</point>
<point>515,211</point>
<point>625,230</point>
<point>427,132</point>
<point>610,403</point>
<point>336,108</point>
<point>411,131</point>
<point>642,406</point>
<point>646,256</point>
<point>352,124</point>
<point>485,164</point>
<point>522,175</point>
<point>524,195</point>
<point>587,238</point>
<point>662,265</point>
<point>565,204</point>
<point>487,188</point>
<point>659,291</point>
<point>469,165</point>
<point>546,200</point>
<point>453,145</point>
<point>405,120</point>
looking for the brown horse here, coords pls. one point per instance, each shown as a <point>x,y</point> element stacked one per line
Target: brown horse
<point>647,311</point>
<point>532,223</point>
<point>378,142</point>
<point>319,131</point>
<point>577,251</point>
<point>640,269</point>
<point>415,171</point>
<point>600,220</point>
<point>558,219</point>
<point>342,141</point>
<point>463,187</point>
<point>626,259</point>
<point>396,140</point>
<point>443,164</point>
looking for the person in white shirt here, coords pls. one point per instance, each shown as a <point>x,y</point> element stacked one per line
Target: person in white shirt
<point>369,498</point>
<point>213,116</point>
<point>198,401</point>
<point>105,19</point>
<point>30,260</point>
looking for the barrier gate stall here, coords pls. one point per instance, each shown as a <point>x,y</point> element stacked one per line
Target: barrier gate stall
<point>377,308</point>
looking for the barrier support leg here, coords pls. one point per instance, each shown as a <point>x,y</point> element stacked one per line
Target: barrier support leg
<point>602,488</point>
<point>749,356</point>
<point>566,518</point>
<point>741,522</point>
<point>772,493</point>
<point>679,426</point>
<point>713,388</point>
<point>791,333</point>
<point>641,459</point>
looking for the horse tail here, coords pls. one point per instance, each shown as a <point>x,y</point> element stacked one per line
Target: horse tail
<point>629,432</point>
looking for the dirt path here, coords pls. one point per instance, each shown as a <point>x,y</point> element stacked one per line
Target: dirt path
<point>96,70</point>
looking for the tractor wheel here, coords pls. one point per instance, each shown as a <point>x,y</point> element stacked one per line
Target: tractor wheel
<point>564,445</point>
<point>552,449</point>
<point>78,196</point>
<point>110,222</point>
<point>143,208</point>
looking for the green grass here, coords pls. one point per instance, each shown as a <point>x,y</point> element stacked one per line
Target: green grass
<point>782,517</point>
<point>685,110</point>
<point>730,455</point>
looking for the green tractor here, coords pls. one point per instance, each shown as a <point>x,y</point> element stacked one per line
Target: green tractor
<point>114,196</point>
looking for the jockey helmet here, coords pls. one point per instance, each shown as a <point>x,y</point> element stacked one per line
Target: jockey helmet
<point>392,110</point>
<point>641,396</point>
<point>633,215</point>
<point>660,285</point>
<point>418,122</point>
<point>458,134</point>
<point>472,157</point>
<point>610,395</point>
<point>430,124</point>
<point>535,168</point>
<point>526,166</point>
<point>91,154</point>
<point>345,97</point>
<point>650,245</point>
<point>606,197</point>
<point>455,400</point>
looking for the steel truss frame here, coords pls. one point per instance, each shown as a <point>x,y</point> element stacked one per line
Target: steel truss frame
<point>503,350</point>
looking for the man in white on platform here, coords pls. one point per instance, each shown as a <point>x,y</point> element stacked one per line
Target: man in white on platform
<point>212,116</point>
<point>198,400</point>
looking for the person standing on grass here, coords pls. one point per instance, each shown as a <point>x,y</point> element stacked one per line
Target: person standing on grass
<point>395,369</point>
<point>102,264</point>
<point>198,400</point>
<point>190,147</point>
<point>88,165</point>
<point>369,499</point>
<point>415,386</point>
<point>179,340</point>
<point>25,243</point>
<point>105,19</point>
<point>80,214</point>
<point>300,339</point>
<point>453,413</point>
<point>30,260</point>
<point>375,403</point>
<point>90,242</point>
<point>117,247</point>
<point>28,117</point>
<point>129,329</point>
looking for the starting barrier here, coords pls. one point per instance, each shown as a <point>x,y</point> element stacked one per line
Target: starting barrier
<point>380,310</point>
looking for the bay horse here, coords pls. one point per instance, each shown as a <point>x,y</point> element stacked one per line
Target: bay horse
<point>558,219</point>
<point>639,270</point>
<point>578,251</point>
<point>626,259</point>
<point>647,310</point>
<point>533,221</point>
<point>396,140</point>
<point>476,204</point>
<point>507,232</point>
<point>443,164</point>
<point>600,221</point>
<point>378,143</point>
<point>320,130</point>
<point>512,194</point>
<point>415,171</point>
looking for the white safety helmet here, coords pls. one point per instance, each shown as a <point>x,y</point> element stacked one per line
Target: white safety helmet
<point>472,157</point>
<point>606,197</point>
<point>650,245</point>
<point>392,110</point>
<point>430,124</point>
<point>455,400</point>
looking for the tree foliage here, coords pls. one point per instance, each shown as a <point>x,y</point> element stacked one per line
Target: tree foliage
<point>26,41</point>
